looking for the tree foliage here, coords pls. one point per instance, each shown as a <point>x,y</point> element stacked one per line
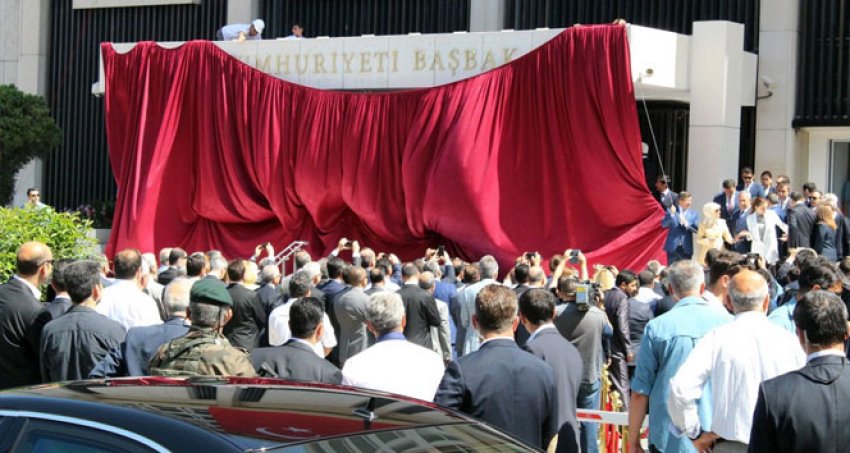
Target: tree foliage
<point>67,235</point>
<point>26,131</point>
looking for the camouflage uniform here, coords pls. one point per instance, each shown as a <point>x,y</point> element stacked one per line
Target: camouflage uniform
<point>201,352</point>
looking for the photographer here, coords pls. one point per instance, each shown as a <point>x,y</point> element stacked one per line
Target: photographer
<point>585,325</point>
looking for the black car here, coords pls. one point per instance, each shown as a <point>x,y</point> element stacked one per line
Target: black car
<point>232,414</point>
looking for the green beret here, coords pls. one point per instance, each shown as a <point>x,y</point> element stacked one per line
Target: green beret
<point>212,291</point>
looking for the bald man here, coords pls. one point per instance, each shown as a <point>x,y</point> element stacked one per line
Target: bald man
<point>736,358</point>
<point>22,316</point>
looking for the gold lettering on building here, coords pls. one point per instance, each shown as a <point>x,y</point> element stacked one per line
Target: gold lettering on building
<point>489,61</point>
<point>262,63</point>
<point>347,58</point>
<point>508,54</point>
<point>418,60</point>
<point>471,60</point>
<point>365,63</point>
<point>454,60</point>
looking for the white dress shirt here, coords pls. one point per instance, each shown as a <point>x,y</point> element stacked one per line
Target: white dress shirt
<point>734,358</point>
<point>279,332</point>
<point>396,366</point>
<point>124,302</point>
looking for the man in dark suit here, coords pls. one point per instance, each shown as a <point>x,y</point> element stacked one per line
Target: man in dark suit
<point>536,313</point>
<point>296,359</point>
<point>132,357</point>
<point>420,308</point>
<point>333,290</point>
<point>176,266</point>
<point>617,309</point>
<point>806,410</point>
<point>269,294</point>
<point>249,318</point>
<point>22,317</point>
<point>62,302</point>
<point>728,201</point>
<point>801,222</point>
<point>663,194</point>
<point>500,383</point>
<point>351,315</point>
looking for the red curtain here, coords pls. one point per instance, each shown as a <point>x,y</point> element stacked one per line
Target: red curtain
<point>538,155</point>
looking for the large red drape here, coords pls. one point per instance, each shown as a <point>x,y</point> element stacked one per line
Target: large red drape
<point>538,155</point>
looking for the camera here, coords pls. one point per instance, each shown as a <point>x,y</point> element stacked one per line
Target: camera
<point>586,293</point>
<point>753,259</point>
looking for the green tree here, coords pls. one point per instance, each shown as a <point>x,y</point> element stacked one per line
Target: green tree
<point>26,131</point>
<point>67,235</point>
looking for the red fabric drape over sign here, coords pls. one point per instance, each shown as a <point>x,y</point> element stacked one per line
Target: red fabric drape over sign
<point>540,154</point>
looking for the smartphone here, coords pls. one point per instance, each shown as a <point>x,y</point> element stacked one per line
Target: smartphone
<point>574,256</point>
<point>348,244</point>
<point>441,250</point>
<point>530,256</point>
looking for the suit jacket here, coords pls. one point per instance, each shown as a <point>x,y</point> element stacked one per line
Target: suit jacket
<point>617,309</point>
<point>296,361</point>
<point>270,297</point>
<point>725,213</point>
<point>249,320</point>
<point>679,235</point>
<point>551,347</point>
<point>801,223</point>
<point>421,311</point>
<point>842,236</point>
<point>135,353</point>
<point>506,387</point>
<point>21,321</point>
<point>167,275</point>
<point>804,410</point>
<point>58,306</point>
<point>351,315</point>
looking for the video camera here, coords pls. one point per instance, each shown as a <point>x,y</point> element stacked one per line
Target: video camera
<point>586,294</point>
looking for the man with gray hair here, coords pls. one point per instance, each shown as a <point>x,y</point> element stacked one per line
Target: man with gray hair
<point>468,339</point>
<point>735,358</point>
<point>666,343</point>
<point>393,364</point>
<point>269,293</point>
<point>135,353</point>
<point>218,268</point>
<point>440,336</point>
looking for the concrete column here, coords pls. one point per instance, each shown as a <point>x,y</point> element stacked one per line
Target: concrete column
<point>243,11</point>
<point>715,119</point>
<point>775,140</point>
<point>486,15</point>
<point>25,37</point>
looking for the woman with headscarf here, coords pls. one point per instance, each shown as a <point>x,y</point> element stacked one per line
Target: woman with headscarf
<point>712,231</point>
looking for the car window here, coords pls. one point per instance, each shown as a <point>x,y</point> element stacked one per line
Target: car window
<point>42,436</point>
<point>436,439</point>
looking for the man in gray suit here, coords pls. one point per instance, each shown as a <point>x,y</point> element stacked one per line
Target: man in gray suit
<point>296,359</point>
<point>536,313</point>
<point>351,314</point>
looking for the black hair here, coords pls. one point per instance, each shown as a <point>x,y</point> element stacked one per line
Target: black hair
<point>305,315</point>
<point>335,267</point>
<point>80,278</point>
<point>537,305</point>
<point>822,316</point>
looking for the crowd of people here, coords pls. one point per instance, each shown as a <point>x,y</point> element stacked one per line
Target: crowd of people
<point>727,350</point>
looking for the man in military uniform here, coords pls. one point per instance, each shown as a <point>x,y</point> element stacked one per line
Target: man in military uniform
<point>204,351</point>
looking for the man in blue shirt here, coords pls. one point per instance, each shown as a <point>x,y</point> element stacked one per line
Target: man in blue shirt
<point>815,274</point>
<point>666,343</point>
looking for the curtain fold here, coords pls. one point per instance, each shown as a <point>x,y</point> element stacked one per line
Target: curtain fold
<point>541,154</point>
